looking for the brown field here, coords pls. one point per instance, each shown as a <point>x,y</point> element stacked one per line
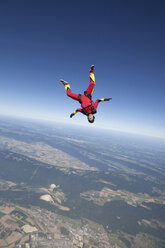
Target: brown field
<point>13,237</point>
<point>107,195</point>
<point>6,210</point>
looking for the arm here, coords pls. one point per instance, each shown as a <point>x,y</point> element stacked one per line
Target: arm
<point>76,111</point>
<point>104,99</point>
<point>101,100</point>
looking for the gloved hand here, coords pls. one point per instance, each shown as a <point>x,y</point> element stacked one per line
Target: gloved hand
<point>104,99</point>
<point>71,115</point>
<point>107,99</point>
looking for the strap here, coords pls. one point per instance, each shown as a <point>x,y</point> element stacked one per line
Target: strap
<point>91,105</point>
<point>87,95</point>
<point>79,98</point>
<point>92,108</point>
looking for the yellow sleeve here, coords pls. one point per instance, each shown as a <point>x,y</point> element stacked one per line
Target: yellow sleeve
<point>75,112</point>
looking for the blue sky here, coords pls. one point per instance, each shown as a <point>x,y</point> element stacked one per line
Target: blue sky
<point>44,41</point>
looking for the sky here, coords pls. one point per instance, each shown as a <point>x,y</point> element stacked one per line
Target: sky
<point>42,41</point>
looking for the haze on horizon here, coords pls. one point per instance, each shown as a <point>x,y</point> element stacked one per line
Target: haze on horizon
<point>44,41</point>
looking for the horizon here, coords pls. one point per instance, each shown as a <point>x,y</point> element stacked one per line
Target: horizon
<point>77,125</point>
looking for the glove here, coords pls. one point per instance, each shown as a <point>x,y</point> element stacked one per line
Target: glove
<point>71,115</point>
<point>107,99</point>
<point>104,99</point>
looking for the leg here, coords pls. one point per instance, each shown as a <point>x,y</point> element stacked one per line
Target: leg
<point>68,91</point>
<point>72,95</point>
<point>91,86</point>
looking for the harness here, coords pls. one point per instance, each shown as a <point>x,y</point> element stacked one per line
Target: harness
<point>91,105</point>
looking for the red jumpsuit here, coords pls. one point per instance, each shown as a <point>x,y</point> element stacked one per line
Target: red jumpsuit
<point>88,106</point>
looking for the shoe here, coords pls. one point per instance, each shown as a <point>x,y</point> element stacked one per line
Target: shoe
<point>63,82</point>
<point>66,85</point>
<point>92,68</point>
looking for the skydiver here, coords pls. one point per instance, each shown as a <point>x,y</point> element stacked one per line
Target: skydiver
<point>88,107</point>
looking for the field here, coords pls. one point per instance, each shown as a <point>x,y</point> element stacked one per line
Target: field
<point>63,188</point>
